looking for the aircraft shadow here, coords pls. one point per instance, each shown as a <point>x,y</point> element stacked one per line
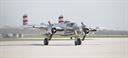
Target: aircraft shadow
<point>46,45</point>
<point>38,45</point>
<point>51,45</point>
<point>22,45</point>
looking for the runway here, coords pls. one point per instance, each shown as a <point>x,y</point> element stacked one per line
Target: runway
<point>92,48</point>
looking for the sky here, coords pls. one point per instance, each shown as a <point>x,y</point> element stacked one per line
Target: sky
<point>107,14</point>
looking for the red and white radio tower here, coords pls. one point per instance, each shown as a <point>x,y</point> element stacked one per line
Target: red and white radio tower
<point>61,19</point>
<point>25,19</point>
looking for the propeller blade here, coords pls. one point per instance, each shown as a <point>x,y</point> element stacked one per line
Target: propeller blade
<point>85,30</point>
<point>50,23</point>
<point>93,30</point>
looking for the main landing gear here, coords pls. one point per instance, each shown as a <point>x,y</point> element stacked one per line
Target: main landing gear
<point>77,41</point>
<point>49,36</point>
<point>46,41</point>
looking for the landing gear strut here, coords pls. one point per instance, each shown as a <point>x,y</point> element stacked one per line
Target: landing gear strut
<point>49,36</point>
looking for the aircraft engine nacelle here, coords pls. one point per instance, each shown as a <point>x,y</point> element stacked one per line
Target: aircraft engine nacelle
<point>53,30</point>
<point>85,30</point>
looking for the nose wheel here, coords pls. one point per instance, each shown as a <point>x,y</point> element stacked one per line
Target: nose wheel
<point>78,41</point>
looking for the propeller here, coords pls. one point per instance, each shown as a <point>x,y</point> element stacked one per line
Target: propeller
<point>53,29</point>
<point>50,23</point>
<point>85,30</point>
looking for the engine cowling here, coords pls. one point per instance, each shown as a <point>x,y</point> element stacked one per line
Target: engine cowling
<point>53,30</point>
<point>85,30</point>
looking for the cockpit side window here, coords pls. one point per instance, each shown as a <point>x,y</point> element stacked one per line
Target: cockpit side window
<point>71,24</point>
<point>67,22</point>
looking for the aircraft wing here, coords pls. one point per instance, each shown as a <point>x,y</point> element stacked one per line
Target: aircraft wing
<point>26,25</point>
<point>45,27</point>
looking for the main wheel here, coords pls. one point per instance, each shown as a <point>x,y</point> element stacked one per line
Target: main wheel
<point>75,42</point>
<point>46,41</point>
<point>78,41</point>
<point>70,37</point>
